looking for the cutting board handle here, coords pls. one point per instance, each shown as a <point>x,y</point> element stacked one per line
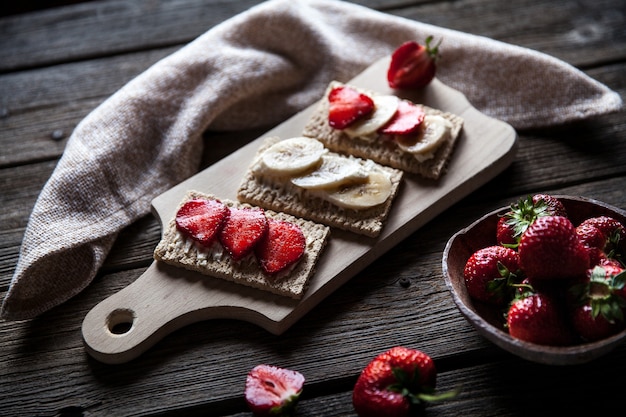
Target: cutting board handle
<point>129,322</point>
<point>160,301</point>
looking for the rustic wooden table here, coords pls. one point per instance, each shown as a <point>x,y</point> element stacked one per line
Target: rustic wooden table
<point>57,64</point>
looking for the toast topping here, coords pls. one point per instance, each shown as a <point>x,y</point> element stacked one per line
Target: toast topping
<point>344,181</point>
<point>385,107</point>
<point>347,106</point>
<point>396,121</point>
<point>427,138</point>
<point>240,231</point>
<point>293,156</point>
<point>201,220</point>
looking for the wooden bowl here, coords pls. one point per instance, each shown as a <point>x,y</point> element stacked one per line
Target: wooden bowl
<point>487,320</point>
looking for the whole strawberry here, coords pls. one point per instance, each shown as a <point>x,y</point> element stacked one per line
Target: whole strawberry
<point>593,239</point>
<point>591,326</point>
<point>396,383</point>
<point>413,65</point>
<point>599,303</point>
<point>550,249</point>
<point>538,318</point>
<point>522,214</point>
<point>605,233</point>
<point>273,391</point>
<point>489,273</point>
<point>553,206</point>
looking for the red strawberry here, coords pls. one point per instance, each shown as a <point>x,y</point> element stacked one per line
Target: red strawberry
<point>553,206</point>
<point>273,391</point>
<point>282,246</point>
<point>347,106</point>
<point>406,120</point>
<point>591,236</point>
<point>394,383</point>
<point>550,249</point>
<point>489,272</point>
<point>591,327</point>
<point>413,65</point>
<point>594,241</point>
<point>538,319</point>
<point>599,303</point>
<point>243,229</point>
<point>505,231</point>
<point>514,222</point>
<point>201,219</point>
<point>617,278</point>
<point>614,232</point>
<point>608,225</point>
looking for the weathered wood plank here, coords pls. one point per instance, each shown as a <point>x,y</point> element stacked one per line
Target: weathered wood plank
<point>102,28</point>
<point>45,38</point>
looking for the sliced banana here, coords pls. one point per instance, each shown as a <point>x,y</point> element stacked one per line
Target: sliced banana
<point>333,171</point>
<point>434,131</point>
<point>293,156</point>
<point>376,190</point>
<point>385,107</point>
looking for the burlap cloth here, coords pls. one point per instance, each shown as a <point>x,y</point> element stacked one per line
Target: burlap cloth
<point>255,69</point>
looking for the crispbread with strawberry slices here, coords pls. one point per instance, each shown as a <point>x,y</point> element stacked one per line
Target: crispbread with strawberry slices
<point>179,250</point>
<point>273,194</point>
<point>385,153</point>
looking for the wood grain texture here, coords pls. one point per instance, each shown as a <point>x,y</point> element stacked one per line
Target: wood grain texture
<point>49,81</point>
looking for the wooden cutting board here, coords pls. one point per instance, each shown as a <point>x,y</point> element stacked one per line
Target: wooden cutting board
<point>166,298</point>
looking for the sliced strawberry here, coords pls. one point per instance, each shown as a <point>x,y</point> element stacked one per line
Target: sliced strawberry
<point>273,391</point>
<point>406,120</point>
<point>347,106</point>
<point>413,65</point>
<point>282,246</point>
<point>201,219</point>
<point>243,230</point>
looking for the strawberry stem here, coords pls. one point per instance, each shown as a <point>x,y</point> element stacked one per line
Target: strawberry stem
<point>409,387</point>
<point>433,51</point>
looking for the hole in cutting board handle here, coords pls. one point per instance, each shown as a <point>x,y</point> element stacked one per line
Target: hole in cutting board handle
<point>120,321</point>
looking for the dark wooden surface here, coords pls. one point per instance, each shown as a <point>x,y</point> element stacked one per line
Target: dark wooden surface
<point>58,63</point>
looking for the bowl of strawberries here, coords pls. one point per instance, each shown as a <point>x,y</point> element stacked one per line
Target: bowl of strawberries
<point>543,278</point>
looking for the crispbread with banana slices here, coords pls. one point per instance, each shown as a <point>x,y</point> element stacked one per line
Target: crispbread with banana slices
<point>178,250</point>
<point>383,152</point>
<point>280,195</point>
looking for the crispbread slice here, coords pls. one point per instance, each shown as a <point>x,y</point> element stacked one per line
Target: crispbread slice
<point>283,196</point>
<point>175,249</point>
<point>385,153</point>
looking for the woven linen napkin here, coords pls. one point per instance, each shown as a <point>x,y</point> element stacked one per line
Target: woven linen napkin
<point>256,69</point>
